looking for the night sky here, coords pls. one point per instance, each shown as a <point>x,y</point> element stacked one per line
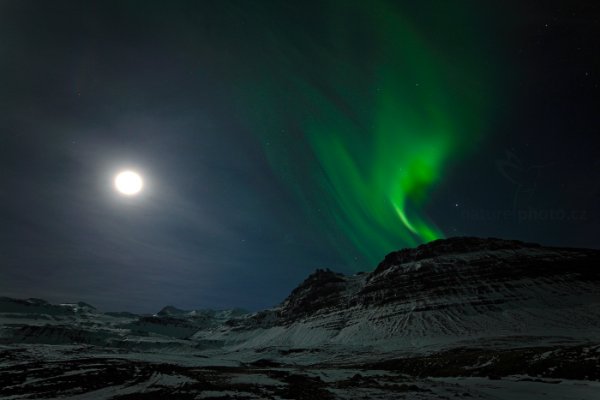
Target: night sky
<point>279,137</point>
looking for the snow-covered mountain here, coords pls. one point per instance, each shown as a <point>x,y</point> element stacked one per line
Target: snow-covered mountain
<point>38,306</point>
<point>434,295</point>
<point>460,307</point>
<point>37,321</point>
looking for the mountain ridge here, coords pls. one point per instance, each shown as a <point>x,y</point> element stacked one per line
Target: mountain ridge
<point>439,292</point>
<point>447,290</point>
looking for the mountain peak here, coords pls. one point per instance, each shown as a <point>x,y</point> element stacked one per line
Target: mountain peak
<point>453,245</point>
<point>322,288</point>
<point>171,310</point>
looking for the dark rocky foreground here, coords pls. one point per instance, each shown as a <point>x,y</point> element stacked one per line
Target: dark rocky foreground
<point>117,377</point>
<point>463,317</point>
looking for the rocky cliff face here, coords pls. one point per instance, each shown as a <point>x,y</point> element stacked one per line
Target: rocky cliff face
<point>446,290</point>
<point>321,291</point>
<point>472,267</point>
<point>483,272</point>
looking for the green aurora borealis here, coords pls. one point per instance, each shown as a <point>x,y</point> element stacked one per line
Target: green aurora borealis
<point>360,116</point>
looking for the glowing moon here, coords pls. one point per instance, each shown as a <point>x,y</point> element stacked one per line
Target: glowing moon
<point>128,183</point>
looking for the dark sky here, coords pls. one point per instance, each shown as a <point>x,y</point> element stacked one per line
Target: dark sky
<point>279,137</point>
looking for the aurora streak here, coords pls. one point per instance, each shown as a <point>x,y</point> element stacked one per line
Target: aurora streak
<point>359,119</point>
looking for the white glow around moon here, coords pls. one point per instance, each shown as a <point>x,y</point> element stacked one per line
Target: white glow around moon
<point>128,183</point>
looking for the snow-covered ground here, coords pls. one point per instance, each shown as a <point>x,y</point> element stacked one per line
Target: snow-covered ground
<point>58,373</point>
